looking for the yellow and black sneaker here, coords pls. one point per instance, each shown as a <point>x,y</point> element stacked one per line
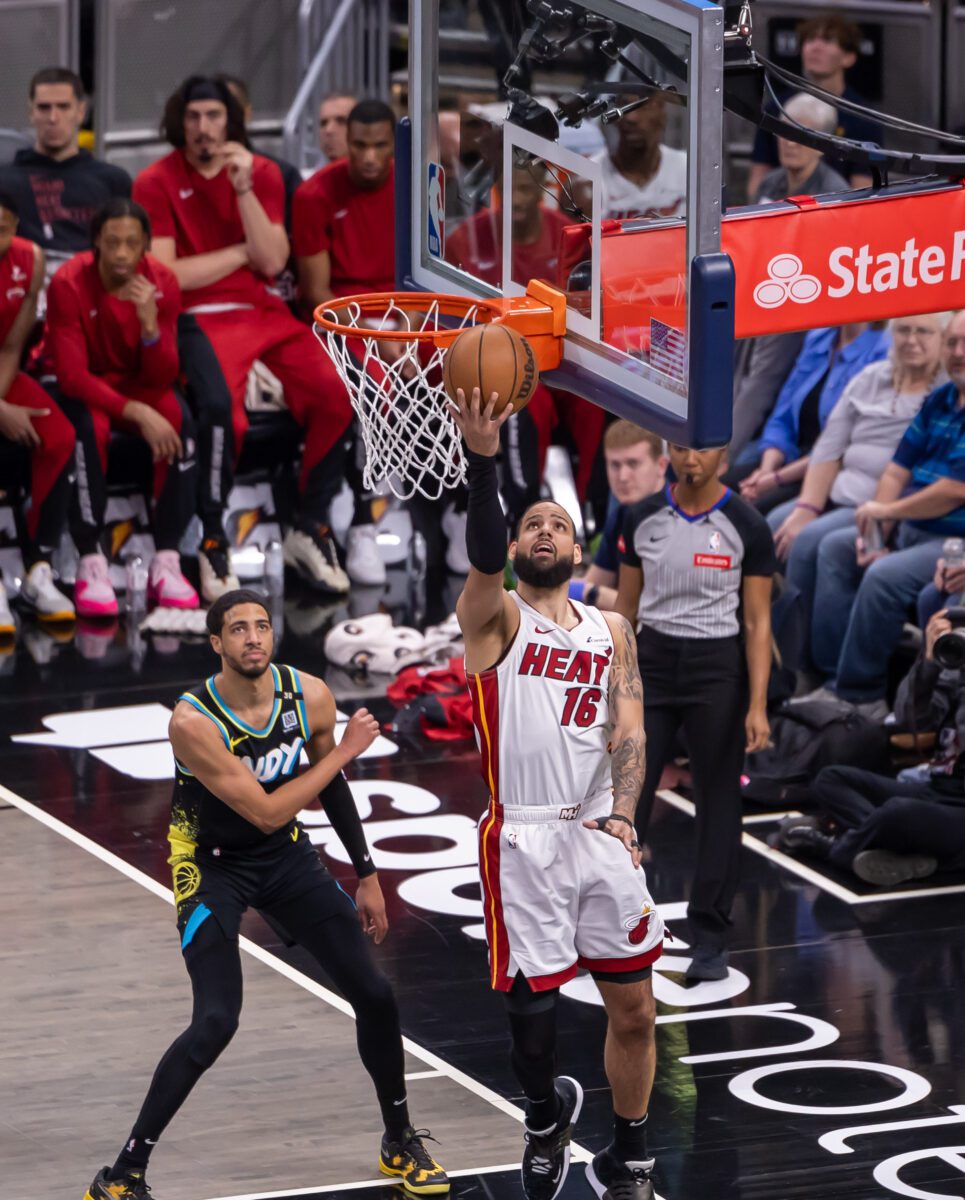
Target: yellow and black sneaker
<point>408,1159</point>
<point>130,1187</point>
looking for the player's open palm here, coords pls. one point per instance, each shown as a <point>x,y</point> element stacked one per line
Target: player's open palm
<point>476,422</point>
<point>360,733</point>
<point>371,909</point>
<point>622,829</point>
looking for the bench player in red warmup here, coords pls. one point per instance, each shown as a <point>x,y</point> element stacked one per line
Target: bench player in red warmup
<point>558,708</point>
<point>31,425</point>
<point>218,214</point>
<point>343,229</point>
<point>112,331</point>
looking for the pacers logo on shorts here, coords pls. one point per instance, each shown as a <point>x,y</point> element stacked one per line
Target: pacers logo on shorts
<point>638,925</point>
<point>187,880</point>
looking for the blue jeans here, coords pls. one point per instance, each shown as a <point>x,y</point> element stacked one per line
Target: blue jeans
<point>858,613</point>
<point>801,568</point>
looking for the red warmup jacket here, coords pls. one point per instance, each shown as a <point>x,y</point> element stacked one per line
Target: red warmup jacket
<point>94,339</point>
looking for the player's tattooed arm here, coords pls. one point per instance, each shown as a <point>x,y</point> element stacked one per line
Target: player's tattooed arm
<point>628,745</point>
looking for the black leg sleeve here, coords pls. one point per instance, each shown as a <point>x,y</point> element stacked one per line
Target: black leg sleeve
<point>211,403</point>
<point>176,504</point>
<point>88,503</point>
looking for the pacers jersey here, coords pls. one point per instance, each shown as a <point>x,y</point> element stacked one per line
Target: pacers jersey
<point>198,818</point>
<point>542,714</point>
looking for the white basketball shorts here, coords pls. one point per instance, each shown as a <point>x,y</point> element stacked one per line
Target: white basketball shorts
<point>559,897</point>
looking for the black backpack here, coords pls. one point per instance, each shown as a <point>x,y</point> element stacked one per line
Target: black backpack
<point>807,737</point>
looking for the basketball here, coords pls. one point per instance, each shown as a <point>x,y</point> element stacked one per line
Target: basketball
<point>493,358</point>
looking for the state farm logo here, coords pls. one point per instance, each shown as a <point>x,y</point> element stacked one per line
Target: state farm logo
<point>785,281</point>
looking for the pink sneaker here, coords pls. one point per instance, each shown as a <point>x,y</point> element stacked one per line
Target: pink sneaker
<point>166,586</point>
<point>93,594</point>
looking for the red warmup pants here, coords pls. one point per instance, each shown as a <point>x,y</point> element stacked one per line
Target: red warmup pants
<point>314,394</point>
<point>166,403</point>
<point>584,421</point>
<point>48,460</point>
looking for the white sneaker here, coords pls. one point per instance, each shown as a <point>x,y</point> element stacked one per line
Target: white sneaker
<point>314,557</point>
<point>363,561</point>
<point>454,528</point>
<point>42,595</point>
<point>217,572</point>
<point>7,626</point>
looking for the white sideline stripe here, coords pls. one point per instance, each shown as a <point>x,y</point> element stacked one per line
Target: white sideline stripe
<point>796,867</point>
<point>384,1180</point>
<point>438,1065</point>
<point>422,1075</point>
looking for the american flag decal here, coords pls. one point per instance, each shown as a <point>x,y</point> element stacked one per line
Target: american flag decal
<point>668,350</point>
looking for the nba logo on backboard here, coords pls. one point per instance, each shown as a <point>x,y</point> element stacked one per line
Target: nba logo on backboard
<point>436,210</point>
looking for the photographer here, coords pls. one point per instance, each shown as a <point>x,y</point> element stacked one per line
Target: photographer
<point>893,830</point>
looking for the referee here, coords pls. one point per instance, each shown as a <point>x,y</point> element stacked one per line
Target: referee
<point>695,578</point>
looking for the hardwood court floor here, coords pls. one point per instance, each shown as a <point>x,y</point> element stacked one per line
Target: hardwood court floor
<point>830,1062</point>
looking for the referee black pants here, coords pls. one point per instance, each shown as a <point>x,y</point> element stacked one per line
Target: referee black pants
<point>698,686</point>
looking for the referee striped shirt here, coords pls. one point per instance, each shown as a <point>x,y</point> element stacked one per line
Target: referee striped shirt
<point>693,564</point>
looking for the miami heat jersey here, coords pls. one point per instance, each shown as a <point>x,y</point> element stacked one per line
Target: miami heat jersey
<point>16,273</point>
<point>542,713</point>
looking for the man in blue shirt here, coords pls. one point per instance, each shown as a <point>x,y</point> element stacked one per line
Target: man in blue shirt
<point>864,592</point>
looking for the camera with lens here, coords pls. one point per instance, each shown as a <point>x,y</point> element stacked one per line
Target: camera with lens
<point>949,650</point>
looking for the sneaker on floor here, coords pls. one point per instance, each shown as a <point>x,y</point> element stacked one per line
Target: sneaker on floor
<point>819,693</point>
<point>411,1162</point>
<point>93,592</point>
<point>40,594</point>
<point>707,963</point>
<point>7,625</point>
<point>804,839</point>
<point>130,1187</point>
<point>362,559</point>
<point>217,573</point>
<point>166,586</point>
<point>313,556</point>
<point>546,1159</point>
<point>612,1179</point>
<point>883,868</point>
<point>873,710</point>
<point>454,528</point>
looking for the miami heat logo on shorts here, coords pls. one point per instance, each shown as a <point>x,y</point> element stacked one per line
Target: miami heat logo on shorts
<point>638,925</point>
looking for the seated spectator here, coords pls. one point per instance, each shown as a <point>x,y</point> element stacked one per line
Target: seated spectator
<point>641,176</point>
<point>830,45</point>
<point>217,211</point>
<point>112,318</point>
<point>636,466</point>
<point>828,361</point>
<point>34,433</point>
<point>803,171</point>
<point>856,445</point>
<point>333,113</point>
<point>56,186</point>
<point>344,235</point>
<point>947,587</point>
<point>892,830</point>
<point>862,594</point>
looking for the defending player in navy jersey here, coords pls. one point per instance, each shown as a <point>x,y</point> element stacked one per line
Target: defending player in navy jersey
<point>236,843</point>
<point>559,717</point>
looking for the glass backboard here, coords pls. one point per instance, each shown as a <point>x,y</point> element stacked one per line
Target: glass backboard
<point>540,133</point>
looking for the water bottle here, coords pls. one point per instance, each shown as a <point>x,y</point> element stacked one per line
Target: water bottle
<point>135,573</point>
<point>274,566</point>
<point>953,552</point>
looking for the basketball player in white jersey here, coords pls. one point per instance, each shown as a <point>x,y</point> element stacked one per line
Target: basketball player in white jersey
<point>558,709</point>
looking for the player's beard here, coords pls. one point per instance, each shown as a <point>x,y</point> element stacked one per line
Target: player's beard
<point>242,668</point>
<point>547,578</point>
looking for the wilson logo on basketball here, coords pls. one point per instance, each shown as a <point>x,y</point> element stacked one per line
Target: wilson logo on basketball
<point>638,926</point>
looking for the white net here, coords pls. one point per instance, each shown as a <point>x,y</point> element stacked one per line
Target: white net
<point>411,442</point>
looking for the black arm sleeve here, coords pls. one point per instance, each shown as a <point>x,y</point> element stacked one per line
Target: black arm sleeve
<point>485,524</point>
<point>338,804</point>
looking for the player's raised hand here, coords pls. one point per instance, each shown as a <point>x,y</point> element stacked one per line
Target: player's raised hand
<point>143,295</point>
<point>476,422</point>
<point>620,827</point>
<point>360,733</point>
<point>239,161</point>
